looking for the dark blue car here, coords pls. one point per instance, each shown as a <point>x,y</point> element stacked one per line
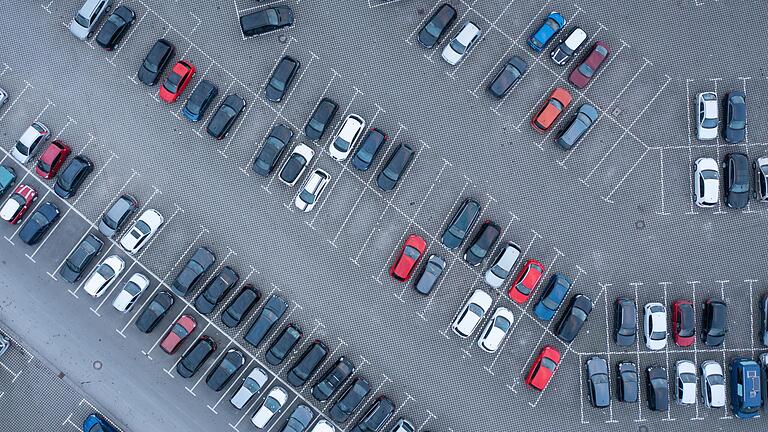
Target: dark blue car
<point>97,423</point>
<point>746,397</point>
<point>200,100</point>
<point>553,23</point>
<point>552,297</point>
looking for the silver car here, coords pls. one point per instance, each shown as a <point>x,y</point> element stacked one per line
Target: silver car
<point>500,269</point>
<point>252,385</point>
<point>85,21</point>
<point>462,43</point>
<point>760,168</point>
<point>29,142</point>
<point>312,189</point>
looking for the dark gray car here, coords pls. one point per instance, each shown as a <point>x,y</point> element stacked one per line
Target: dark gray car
<point>300,419</point>
<point>273,148</point>
<point>510,74</point>
<point>80,257</point>
<point>599,389</point>
<point>580,124</point>
<point>627,382</point>
<point>198,264</point>
<point>461,224</point>
<point>432,271</point>
<point>117,215</point>
<point>395,167</point>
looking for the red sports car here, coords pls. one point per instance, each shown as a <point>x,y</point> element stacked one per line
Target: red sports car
<point>183,327</point>
<point>552,109</point>
<point>18,203</point>
<point>683,322</point>
<point>581,76</point>
<point>413,249</point>
<point>543,368</point>
<point>177,81</point>
<point>526,281</point>
<point>52,159</point>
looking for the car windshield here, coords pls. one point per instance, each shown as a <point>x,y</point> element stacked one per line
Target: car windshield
<point>715,380</point>
<point>251,385</point>
<point>179,330</point>
<point>709,175</point>
<point>458,47</point>
<point>131,288</point>
<point>709,123</point>
<point>272,404</point>
<point>341,144</point>
<point>156,308</point>
<point>478,250</point>
<point>586,70</point>
<point>737,124</point>
<point>502,324</point>
<point>45,167</point>
<point>172,83</point>
<point>38,219</point>
<point>83,21</point>
<point>106,271</point>
<point>21,148</point>
<point>500,272</point>
<point>307,196</point>
<point>688,378</point>
<point>149,65</point>
<point>316,124</point>
<point>552,24</point>
<point>277,84</point>
<point>550,303</point>
<point>580,314</point>
<point>475,309</point>
<point>433,29</point>
<point>142,227</point>
<point>293,167</point>
<point>658,335</point>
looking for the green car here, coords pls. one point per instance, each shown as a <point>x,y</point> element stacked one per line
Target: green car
<point>7,178</point>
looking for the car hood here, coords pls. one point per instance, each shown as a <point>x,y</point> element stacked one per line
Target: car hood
<point>468,323</point>
<point>451,56</point>
<point>76,29</point>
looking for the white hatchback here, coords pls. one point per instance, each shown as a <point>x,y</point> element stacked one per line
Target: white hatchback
<point>708,116</point>
<point>496,330</point>
<point>712,384</point>
<point>461,44</point>
<point>350,131</point>
<point>323,426</point>
<point>29,142</point>
<point>685,382</point>
<point>103,276</point>
<point>310,192</point>
<point>706,182</point>
<point>145,226</point>
<point>472,313</point>
<point>251,386</point>
<point>272,404</point>
<point>131,291</point>
<point>655,326</point>
<point>500,269</point>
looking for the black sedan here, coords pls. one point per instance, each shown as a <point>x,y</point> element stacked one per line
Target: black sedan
<point>376,417</point>
<point>80,258</point>
<point>735,117</point>
<point>155,62</point>
<point>584,119</point>
<point>571,323</point>
<point>224,117</point>
<point>395,167</point>
<point>115,28</point>
<point>461,224</point>
<point>266,20</point>
<point>39,223</point>
<point>217,289</point>
<point>273,148</point>
<point>715,323</point>
<point>117,215</point>
<point>349,401</point>
<point>240,306</point>
<point>320,118</point>
<point>599,388</point>
<point>281,79</point>
<point>657,389</point>
<point>269,316</point>
<point>199,101</point>
<point>225,370</point>
<point>307,364</point>
<point>434,29</point>
<point>432,271</point>
<point>299,420</point>
<point>154,311</point>
<point>482,244</point>
<point>368,148</point>
<point>624,322</point>
<point>333,379</point>
<point>197,354</point>
<point>199,263</point>
<point>283,344</point>
<point>627,382</point>
<point>72,176</point>
<point>512,71</point>
<point>736,180</point>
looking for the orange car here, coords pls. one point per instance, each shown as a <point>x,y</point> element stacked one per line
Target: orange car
<point>556,104</point>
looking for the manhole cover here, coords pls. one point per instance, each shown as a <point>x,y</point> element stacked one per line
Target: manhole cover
<point>616,112</point>
<point>97,365</point>
<point>640,224</point>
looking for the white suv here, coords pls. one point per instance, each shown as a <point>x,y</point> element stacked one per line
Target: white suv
<point>708,116</point>
<point>350,131</point>
<point>460,45</point>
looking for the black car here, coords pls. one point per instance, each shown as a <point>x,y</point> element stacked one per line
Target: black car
<point>115,27</point>
<point>574,318</point>
<point>736,180</point>
<point>39,223</point>
<point>217,289</point>
<point>715,323</point>
<point>597,378</point>
<point>395,167</point>
<point>269,316</point>
<point>199,263</point>
<point>368,148</point>
<point>154,311</point>
<point>273,148</point>
<point>227,368</point>
<point>117,215</point>
<point>299,420</point>
<point>307,364</point>
<point>297,162</point>
<point>507,77</point>
<point>432,271</point>
<point>80,257</point>
<point>764,312</point>
<point>657,389</point>
<point>461,224</point>
<point>582,121</point>
<point>283,344</point>
<point>333,379</point>
<point>735,117</point>
<point>155,62</point>
<point>72,176</point>
<point>266,20</point>
<point>200,99</point>
<point>627,382</point>
<point>349,401</point>
<point>482,244</point>
<point>239,307</point>
<point>197,354</point>
<point>624,321</point>
<point>377,416</point>
<point>281,78</point>
<point>435,28</point>
<point>320,119</point>
<point>224,117</point>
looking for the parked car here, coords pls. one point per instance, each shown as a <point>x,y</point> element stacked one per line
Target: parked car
<point>333,379</point>
<point>760,169</point>
<point>552,109</point>
<point>310,192</point>
<point>655,326</point>
<point>88,17</point>
<point>482,243</point>
<point>299,420</point>
<point>142,230</point>
<point>184,326</point>
<point>409,256</point>
<point>28,144</point>
<point>584,119</point>
<point>52,159</point>
<point>225,370</point>
<point>274,145</point>
<point>583,74</point>
<point>3,97</point>
<point>402,425</point>
<point>714,325</point>
<point>296,164</point>
<point>240,306</point>
<point>706,182</point>
<point>597,379</point>
<point>96,423</point>
<point>7,178</point>
<point>72,176</point>
<point>42,219</point>
<point>275,400</point>
<point>132,289</point>
<point>181,74</point>
<point>736,180</point>
<point>281,79</point>
<point>553,23</point>
<point>657,388</point>
<point>627,388</point>
<point>345,140</point>
<point>195,356</point>
<point>764,319</point>
<point>269,316</point>
<point>154,311</point>
<point>552,297</point>
<point>266,20</point>
<point>348,403</point>
<point>746,388</point>
<point>395,167</point>
<point>461,224</point>
<point>283,344</point>
<point>251,386</point>
<point>526,281</point>
<point>80,257</point>
<point>199,101</point>
<point>462,43</point>
<point>117,215</point>
<point>735,117</point>
<point>5,343</point>
<point>115,28</point>
<point>472,313</point>
<point>225,116</point>
<point>218,288</point>
<point>543,368</point>
<point>103,276</point>
<point>498,272</point>
<point>496,330</point>
<point>155,62</point>
<point>321,117</point>
<point>507,77</point>
<point>196,266</point>
<point>369,148</point>
<point>624,322</point>
<point>685,382</point>
<point>708,119</point>
<point>429,275</point>
<point>574,318</point>
<point>377,416</point>
<point>307,364</point>
<point>434,29</point>
<point>712,384</point>
<point>683,323</point>
<point>18,203</point>
<point>568,47</point>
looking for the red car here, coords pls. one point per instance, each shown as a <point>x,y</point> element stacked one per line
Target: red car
<point>552,109</point>
<point>526,281</point>
<point>581,76</point>
<point>413,249</point>
<point>683,322</point>
<point>543,368</point>
<point>52,159</point>
<point>177,81</point>
<point>18,203</point>
<point>183,327</point>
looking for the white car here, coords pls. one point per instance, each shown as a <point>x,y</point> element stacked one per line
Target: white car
<point>311,190</point>
<point>713,384</point>
<point>145,226</point>
<point>296,164</point>
<point>706,182</point>
<point>103,276</point>
<point>655,326</point>
<point>350,131</point>
<point>29,143</point>
<point>760,168</point>
<point>708,116</point>
<point>252,385</point>
<point>460,45</point>
<point>685,382</point>
<point>496,330</point>
<point>272,404</point>
<point>323,426</point>
<point>472,313</point>
<point>131,291</point>
<point>499,270</point>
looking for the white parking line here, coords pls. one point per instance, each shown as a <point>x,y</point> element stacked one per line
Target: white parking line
<point>70,120</point>
<point>47,105</point>
<point>159,231</point>
<point>81,193</point>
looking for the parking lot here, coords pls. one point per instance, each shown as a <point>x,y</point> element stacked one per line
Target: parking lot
<point>331,264</point>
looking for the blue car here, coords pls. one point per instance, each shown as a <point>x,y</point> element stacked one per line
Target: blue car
<point>745,388</point>
<point>549,28</point>
<point>552,297</point>
<point>97,423</point>
<point>200,100</point>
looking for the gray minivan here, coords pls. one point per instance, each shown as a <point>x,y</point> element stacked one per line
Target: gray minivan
<point>85,21</point>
